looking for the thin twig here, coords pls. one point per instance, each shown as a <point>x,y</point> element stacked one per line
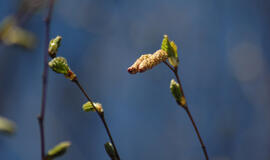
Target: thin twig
<point>171,68</point>
<point>197,132</point>
<point>45,80</point>
<point>186,108</point>
<point>101,115</point>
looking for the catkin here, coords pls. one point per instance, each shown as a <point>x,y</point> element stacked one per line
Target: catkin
<point>156,58</point>
<point>135,67</point>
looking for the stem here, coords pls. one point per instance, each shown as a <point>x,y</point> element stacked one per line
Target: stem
<point>171,68</point>
<point>45,81</point>
<point>186,108</point>
<point>101,115</point>
<point>197,132</point>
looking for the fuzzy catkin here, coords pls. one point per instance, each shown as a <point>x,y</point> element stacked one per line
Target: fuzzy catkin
<point>135,67</point>
<point>156,58</point>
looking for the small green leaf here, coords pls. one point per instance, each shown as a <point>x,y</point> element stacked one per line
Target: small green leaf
<point>110,150</point>
<point>59,65</point>
<point>54,45</point>
<point>165,45</point>
<point>174,60</point>
<point>58,150</point>
<point>171,49</point>
<point>7,126</point>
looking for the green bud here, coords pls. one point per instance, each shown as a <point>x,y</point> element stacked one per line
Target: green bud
<point>110,150</point>
<point>7,126</point>
<point>87,107</point>
<point>12,34</point>
<point>175,90</point>
<point>59,65</point>
<point>171,48</point>
<point>58,150</point>
<point>54,45</point>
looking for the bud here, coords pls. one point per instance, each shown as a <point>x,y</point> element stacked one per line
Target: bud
<point>171,48</point>
<point>7,126</point>
<point>12,34</point>
<point>135,67</point>
<point>59,65</point>
<point>156,58</point>
<point>54,45</point>
<point>175,90</point>
<point>110,150</point>
<point>87,107</point>
<point>58,150</point>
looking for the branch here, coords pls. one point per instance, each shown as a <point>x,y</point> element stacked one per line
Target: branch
<point>186,108</point>
<point>101,115</point>
<point>45,80</point>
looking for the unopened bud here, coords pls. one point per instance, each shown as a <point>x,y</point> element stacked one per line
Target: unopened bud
<point>110,150</point>
<point>54,45</point>
<point>175,90</point>
<point>87,107</point>
<point>58,150</point>
<point>59,65</point>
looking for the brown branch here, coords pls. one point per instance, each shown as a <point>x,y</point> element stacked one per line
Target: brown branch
<point>186,108</point>
<point>101,115</point>
<point>197,132</point>
<point>45,80</point>
<point>167,64</point>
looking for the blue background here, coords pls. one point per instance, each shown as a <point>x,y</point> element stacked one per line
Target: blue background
<point>224,68</point>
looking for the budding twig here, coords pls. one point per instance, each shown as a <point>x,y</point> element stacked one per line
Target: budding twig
<point>100,114</point>
<point>60,66</point>
<point>186,108</point>
<point>168,51</point>
<point>44,80</point>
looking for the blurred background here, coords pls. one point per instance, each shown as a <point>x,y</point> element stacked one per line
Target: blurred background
<point>224,68</point>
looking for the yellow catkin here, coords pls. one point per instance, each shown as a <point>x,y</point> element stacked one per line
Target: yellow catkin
<point>135,67</point>
<point>156,58</point>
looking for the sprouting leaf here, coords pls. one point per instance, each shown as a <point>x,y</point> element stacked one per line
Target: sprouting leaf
<point>58,150</point>
<point>174,47</point>
<point>7,126</point>
<point>174,60</point>
<point>165,45</point>
<point>171,49</point>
